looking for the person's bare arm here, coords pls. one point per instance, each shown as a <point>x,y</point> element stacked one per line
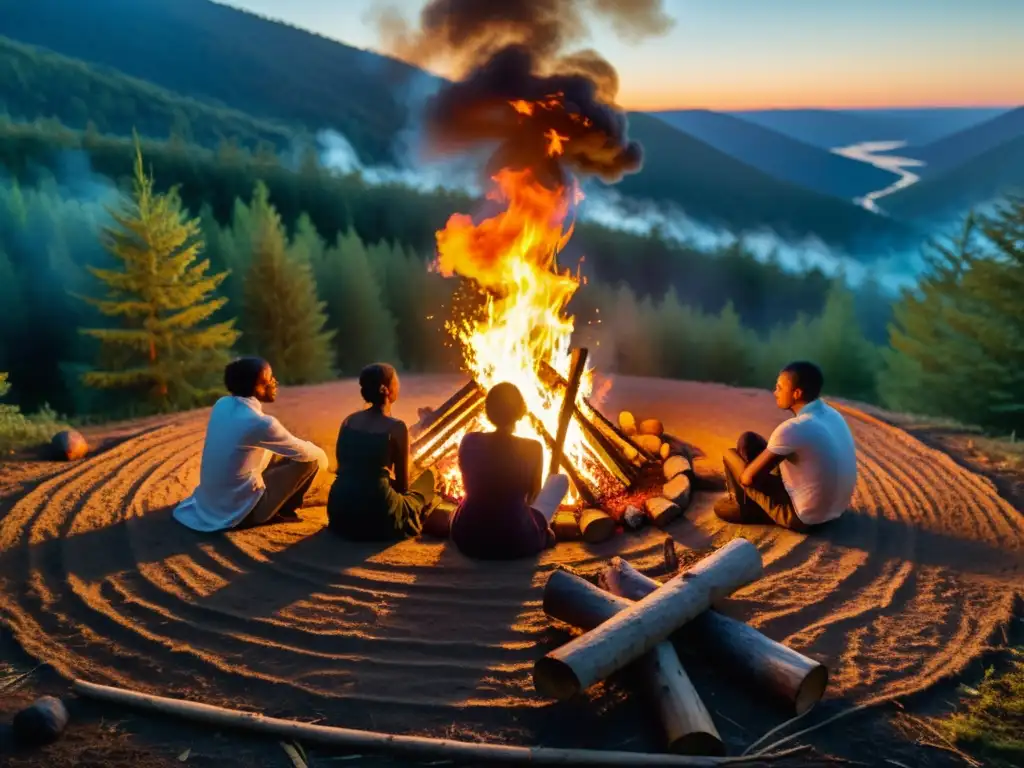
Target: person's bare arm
<point>400,434</point>
<point>763,464</point>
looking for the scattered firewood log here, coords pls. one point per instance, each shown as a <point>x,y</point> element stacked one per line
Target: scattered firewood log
<point>676,465</point>
<point>566,526</point>
<point>596,525</point>
<point>688,726</point>
<point>41,723</point>
<point>650,443</point>
<point>630,634</point>
<point>627,423</point>
<point>737,646</point>
<point>665,451</point>
<point>69,445</point>
<point>650,427</point>
<point>661,510</point>
<point>678,490</point>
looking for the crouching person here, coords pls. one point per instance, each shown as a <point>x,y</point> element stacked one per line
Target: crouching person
<point>804,474</point>
<point>253,471</point>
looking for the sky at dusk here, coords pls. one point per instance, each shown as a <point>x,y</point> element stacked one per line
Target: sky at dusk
<point>756,54</point>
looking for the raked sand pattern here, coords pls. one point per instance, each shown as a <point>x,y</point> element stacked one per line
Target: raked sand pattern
<point>97,580</point>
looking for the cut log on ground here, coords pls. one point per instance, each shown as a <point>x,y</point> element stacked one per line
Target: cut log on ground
<point>389,743</point>
<point>735,645</point>
<point>627,423</point>
<point>661,510</point>
<point>678,490</point>
<point>596,525</point>
<point>650,443</point>
<point>650,427</point>
<point>688,726</point>
<point>630,634</point>
<point>677,465</point>
<point>566,526</point>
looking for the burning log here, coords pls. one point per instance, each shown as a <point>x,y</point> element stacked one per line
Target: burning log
<point>422,429</point>
<point>581,488</point>
<point>735,645</point>
<point>576,366</point>
<point>687,724</point>
<point>630,634</point>
<point>596,525</point>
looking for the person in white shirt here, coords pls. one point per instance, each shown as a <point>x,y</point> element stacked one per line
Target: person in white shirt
<point>804,474</point>
<point>253,470</point>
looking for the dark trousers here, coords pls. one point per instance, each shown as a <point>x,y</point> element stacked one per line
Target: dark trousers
<point>286,483</point>
<point>766,501</point>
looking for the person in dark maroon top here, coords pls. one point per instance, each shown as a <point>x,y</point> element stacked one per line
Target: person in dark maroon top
<point>505,513</point>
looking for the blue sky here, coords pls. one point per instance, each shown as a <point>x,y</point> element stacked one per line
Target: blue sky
<point>740,54</point>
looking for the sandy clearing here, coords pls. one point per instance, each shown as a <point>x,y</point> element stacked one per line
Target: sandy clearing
<point>96,579</point>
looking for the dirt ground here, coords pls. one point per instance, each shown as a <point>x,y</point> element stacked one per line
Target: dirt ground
<point>911,589</point>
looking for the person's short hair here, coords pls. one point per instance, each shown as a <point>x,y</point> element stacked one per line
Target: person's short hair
<point>374,382</point>
<point>243,374</point>
<point>504,405</point>
<point>806,377</point>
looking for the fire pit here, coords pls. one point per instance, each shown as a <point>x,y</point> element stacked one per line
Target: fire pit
<point>522,335</point>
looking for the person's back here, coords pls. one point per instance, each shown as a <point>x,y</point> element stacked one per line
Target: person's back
<point>371,498</point>
<point>505,512</point>
<point>821,468</point>
<point>499,474</point>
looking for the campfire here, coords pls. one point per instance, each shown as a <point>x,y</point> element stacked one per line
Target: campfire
<point>522,333</point>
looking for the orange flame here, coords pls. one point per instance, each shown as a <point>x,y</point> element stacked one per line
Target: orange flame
<point>512,257</point>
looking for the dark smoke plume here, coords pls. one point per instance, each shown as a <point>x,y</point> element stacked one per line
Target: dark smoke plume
<point>510,51</point>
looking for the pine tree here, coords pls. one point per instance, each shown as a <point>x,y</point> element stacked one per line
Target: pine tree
<point>283,319</point>
<point>354,303</point>
<point>958,339</point>
<point>161,295</point>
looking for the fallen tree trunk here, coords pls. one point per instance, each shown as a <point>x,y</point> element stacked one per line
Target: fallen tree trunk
<point>387,743</point>
<point>688,727</point>
<point>736,645</point>
<point>633,632</point>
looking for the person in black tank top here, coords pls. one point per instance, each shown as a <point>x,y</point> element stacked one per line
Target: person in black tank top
<point>371,498</point>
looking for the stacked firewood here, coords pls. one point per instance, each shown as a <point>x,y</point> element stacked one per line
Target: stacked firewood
<point>629,621</point>
<point>671,480</point>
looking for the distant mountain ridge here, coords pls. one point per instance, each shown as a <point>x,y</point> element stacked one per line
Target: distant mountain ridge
<point>274,72</point>
<point>957,149</point>
<point>779,155</point>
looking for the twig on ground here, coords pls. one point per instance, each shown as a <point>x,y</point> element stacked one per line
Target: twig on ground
<point>293,755</point>
<point>950,746</point>
<point>816,726</point>
<point>12,683</point>
<point>952,750</point>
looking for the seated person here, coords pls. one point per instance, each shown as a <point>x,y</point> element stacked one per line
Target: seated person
<point>253,470</point>
<point>372,498</point>
<point>505,513</point>
<point>814,454</point>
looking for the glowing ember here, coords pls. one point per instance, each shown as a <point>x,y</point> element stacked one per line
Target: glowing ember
<point>512,259</point>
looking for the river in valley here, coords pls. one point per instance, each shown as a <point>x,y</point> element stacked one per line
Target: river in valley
<point>877,153</point>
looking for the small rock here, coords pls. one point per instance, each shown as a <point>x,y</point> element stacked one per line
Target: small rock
<point>651,427</point>
<point>69,445</point>
<point>650,443</point>
<point>627,423</point>
<point>665,451</point>
<point>662,511</point>
<point>678,490</point>
<point>676,465</point>
<point>633,517</point>
<point>41,723</point>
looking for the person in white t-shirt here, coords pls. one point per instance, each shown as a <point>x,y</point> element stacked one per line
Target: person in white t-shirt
<point>253,470</point>
<point>805,473</point>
